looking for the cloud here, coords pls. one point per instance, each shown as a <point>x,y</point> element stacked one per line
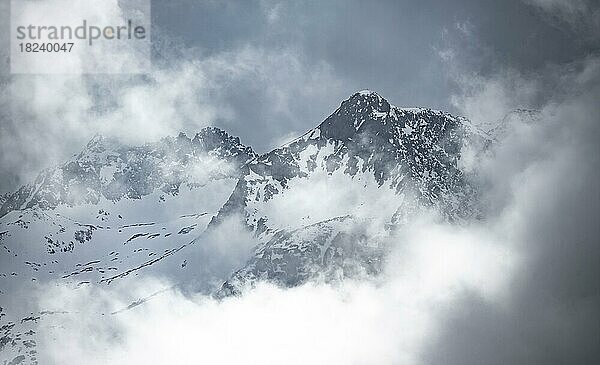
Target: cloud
<point>49,117</point>
<point>540,183</point>
<point>490,99</point>
<point>354,322</point>
<point>551,315</point>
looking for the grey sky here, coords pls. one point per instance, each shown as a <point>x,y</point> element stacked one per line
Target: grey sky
<point>389,46</point>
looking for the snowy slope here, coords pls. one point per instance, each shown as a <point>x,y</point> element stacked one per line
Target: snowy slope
<point>112,213</point>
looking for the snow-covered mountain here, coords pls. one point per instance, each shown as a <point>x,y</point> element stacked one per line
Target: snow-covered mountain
<point>320,206</point>
<point>108,170</point>
<point>407,151</point>
<point>369,160</point>
<point>110,213</point>
<point>110,197</point>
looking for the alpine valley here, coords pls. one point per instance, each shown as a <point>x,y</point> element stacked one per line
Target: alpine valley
<point>320,207</point>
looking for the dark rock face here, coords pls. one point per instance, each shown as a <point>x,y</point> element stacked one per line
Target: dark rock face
<point>3,198</point>
<point>408,151</point>
<point>106,168</point>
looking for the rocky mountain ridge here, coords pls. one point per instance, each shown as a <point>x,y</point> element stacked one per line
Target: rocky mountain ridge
<point>113,171</point>
<point>408,150</point>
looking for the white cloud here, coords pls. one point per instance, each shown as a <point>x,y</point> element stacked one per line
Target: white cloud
<point>353,323</point>
<point>484,100</point>
<point>49,117</point>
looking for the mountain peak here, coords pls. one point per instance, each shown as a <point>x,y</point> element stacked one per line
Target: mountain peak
<point>363,106</point>
<point>99,145</point>
<point>96,141</point>
<point>367,92</point>
<point>413,152</point>
<point>367,98</point>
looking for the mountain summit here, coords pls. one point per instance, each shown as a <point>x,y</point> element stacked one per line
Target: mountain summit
<point>411,151</point>
<point>368,163</point>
